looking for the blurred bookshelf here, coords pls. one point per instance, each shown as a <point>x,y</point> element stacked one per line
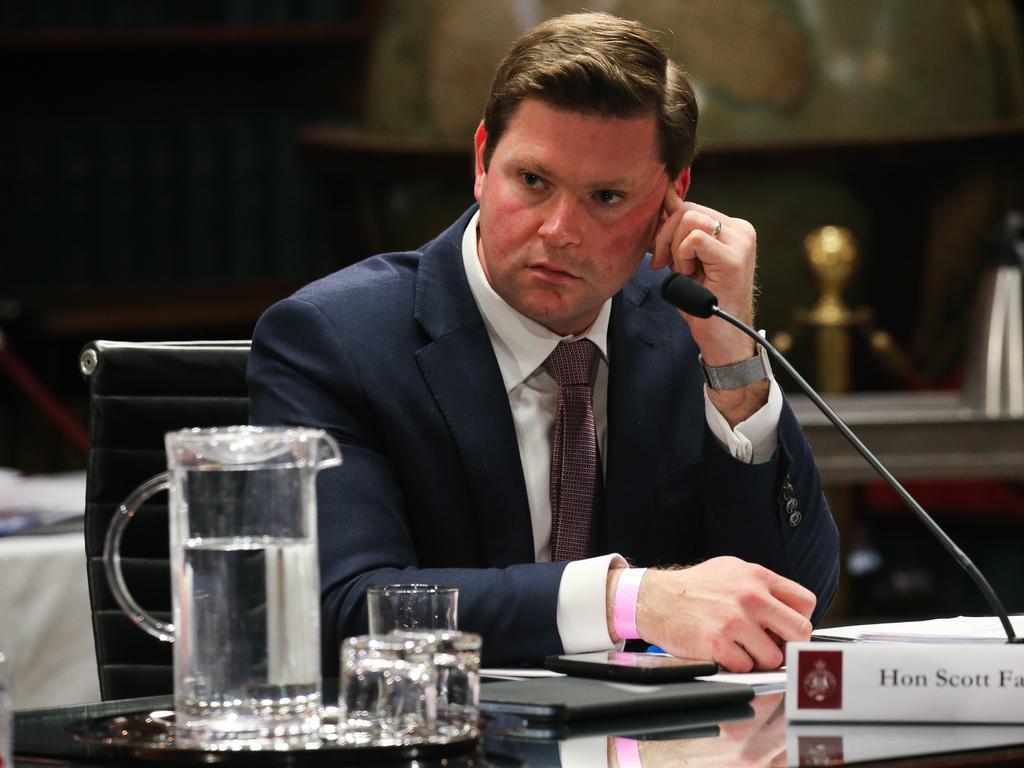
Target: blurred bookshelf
<point>153,143</point>
<point>152,185</point>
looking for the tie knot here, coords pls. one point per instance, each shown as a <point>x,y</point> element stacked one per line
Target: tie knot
<point>571,362</point>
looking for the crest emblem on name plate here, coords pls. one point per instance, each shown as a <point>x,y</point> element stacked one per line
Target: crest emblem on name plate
<point>819,682</point>
<point>819,679</point>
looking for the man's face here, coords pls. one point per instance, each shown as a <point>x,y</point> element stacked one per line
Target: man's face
<point>568,207</point>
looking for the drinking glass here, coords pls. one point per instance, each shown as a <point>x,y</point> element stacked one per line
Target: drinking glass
<point>456,657</point>
<point>411,606</point>
<point>387,696</point>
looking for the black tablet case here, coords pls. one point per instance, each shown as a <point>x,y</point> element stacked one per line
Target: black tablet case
<point>565,699</point>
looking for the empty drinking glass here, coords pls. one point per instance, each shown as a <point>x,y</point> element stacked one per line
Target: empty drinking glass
<point>411,606</point>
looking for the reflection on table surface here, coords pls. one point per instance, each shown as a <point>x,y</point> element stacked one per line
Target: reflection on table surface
<point>755,734</point>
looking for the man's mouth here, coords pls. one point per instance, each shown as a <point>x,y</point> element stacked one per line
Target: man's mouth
<point>551,273</point>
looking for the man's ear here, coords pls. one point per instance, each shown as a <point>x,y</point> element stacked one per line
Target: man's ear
<point>479,145</point>
<point>682,183</point>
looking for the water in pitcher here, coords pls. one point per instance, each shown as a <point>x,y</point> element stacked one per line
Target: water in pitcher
<point>248,664</point>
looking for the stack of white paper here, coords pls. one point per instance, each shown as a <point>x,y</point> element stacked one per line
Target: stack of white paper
<point>29,501</point>
<point>960,629</point>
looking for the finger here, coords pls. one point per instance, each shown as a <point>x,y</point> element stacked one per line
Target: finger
<point>685,260</point>
<point>670,204</point>
<point>732,657</point>
<point>663,241</point>
<point>689,205</point>
<point>788,624</point>
<point>761,648</point>
<point>652,246</point>
<point>691,223</point>
<point>659,251</point>
<point>796,596</point>
<point>674,229</point>
<point>700,247</point>
<point>696,220</point>
<point>672,201</point>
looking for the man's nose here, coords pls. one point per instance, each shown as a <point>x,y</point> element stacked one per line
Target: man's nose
<point>561,225</point>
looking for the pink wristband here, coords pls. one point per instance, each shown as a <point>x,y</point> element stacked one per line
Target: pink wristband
<point>628,752</point>
<point>624,609</point>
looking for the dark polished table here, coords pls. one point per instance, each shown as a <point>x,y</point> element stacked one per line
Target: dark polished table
<point>750,735</point>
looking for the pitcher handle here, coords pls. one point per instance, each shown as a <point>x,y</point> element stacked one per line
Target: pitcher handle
<point>334,457</point>
<point>112,558</point>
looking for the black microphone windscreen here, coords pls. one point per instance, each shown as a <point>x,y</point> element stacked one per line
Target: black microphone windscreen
<point>688,295</point>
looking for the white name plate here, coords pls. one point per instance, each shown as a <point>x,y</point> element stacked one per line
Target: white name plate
<point>905,682</point>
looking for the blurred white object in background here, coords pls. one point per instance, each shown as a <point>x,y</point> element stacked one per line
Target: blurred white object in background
<point>6,717</point>
<point>994,382</point>
<point>28,502</point>
<point>45,622</point>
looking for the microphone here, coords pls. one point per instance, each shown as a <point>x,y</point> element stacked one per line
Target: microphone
<point>689,295</point>
<point>694,299</point>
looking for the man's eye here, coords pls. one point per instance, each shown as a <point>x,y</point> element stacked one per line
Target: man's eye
<point>531,179</point>
<point>608,197</point>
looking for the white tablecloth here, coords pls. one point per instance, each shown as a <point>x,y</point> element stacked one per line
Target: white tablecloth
<point>45,625</point>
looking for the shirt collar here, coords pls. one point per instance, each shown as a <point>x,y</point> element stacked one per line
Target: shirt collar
<point>521,344</point>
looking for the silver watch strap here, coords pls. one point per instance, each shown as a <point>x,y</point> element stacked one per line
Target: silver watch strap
<point>737,375</point>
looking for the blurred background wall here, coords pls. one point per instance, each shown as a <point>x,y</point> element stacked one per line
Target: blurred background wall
<point>168,168</point>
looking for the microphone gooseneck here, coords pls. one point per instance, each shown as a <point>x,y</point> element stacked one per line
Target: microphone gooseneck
<point>694,299</point>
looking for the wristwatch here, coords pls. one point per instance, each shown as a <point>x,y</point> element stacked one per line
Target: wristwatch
<point>737,375</point>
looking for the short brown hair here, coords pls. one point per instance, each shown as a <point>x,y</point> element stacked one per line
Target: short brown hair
<point>596,64</point>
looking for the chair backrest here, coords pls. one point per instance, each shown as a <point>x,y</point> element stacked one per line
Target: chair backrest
<point>137,392</point>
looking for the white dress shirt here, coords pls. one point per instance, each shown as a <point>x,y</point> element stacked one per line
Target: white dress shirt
<point>521,346</point>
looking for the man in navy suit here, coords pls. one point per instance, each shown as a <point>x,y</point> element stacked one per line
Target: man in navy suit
<point>429,368</point>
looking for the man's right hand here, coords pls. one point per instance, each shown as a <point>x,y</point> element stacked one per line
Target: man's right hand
<point>725,609</point>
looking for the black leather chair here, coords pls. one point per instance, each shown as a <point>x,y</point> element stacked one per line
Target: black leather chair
<point>137,392</point>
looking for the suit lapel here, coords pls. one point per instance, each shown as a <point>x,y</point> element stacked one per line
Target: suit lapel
<point>460,369</point>
<point>639,391</point>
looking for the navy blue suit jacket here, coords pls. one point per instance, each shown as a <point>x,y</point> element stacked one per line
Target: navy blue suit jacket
<point>391,356</point>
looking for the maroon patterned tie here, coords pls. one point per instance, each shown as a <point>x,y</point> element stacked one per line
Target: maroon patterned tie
<point>575,464</point>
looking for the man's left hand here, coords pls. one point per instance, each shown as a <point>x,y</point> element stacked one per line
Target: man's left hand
<point>686,241</point>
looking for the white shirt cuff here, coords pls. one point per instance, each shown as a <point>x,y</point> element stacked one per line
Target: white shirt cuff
<point>752,441</point>
<point>582,615</point>
<point>583,752</point>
